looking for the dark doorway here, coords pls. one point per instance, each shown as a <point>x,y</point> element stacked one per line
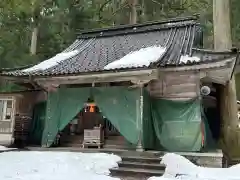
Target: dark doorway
<point>73,133</point>
<point>211,115</point>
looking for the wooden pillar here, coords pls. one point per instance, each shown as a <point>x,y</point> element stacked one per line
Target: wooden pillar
<point>223,42</point>
<point>140,120</point>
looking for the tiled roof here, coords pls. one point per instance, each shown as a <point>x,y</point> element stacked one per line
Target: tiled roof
<point>100,47</point>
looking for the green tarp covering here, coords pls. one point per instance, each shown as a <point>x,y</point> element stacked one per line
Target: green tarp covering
<point>177,124</point>
<point>149,139</point>
<point>167,125</point>
<point>119,105</point>
<point>62,106</point>
<point>38,123</point>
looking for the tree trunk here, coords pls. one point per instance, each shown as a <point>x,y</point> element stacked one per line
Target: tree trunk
<point>33,47</point>
<point>35,30</point>
<point>223,42</point>
<point>222,27</point>
<point>143,13</point>
<point>133,13</point>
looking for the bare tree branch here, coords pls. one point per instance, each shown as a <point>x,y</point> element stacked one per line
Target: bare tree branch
<point>157,2</point>
<point>123,5</point>
<point>102,7</point>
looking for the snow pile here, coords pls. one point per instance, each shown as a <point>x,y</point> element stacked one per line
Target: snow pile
<point>176,164</point>
<point>3,148</point>
<point>178,167</point>
<point>140,58</point>
<point>56,166</point>
<point>187,58</point>
<point>52,61</point>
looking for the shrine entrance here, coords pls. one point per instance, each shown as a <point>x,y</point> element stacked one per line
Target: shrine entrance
<point>88,118</point>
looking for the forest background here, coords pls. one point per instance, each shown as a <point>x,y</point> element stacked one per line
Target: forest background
<point>34,30</point>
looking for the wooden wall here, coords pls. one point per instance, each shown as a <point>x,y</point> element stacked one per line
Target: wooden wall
<point>175,86</point>
<point>25,100</point>
<point>23,110</point>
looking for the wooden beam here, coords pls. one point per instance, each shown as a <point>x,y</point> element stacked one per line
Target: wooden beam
<point>202,67</point>
<point>134,76</point>
<point>219,76</point>
<point>237,69</point>
<point>146,75</point>
<point>99,76</point>
<point>90,80</point>
<point>15,79</point>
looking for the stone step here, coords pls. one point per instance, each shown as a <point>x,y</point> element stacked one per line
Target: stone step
<point>110,145</point>
<point>115,142</point>
<point>71,140</point>
<point>141,159</point>
<point>117,146</point>
<point>74,145</point>
<point>137,165</point>
<point>78,140</point>
<point>135,172</point>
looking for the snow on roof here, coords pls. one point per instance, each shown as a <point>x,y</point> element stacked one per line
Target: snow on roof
<point>140,58</point>
<point>52,61</point>
<point>186,58</point>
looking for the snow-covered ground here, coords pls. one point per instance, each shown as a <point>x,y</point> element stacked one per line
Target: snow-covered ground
<point>33,165</point>
<point>3,148</point>
<point>30,165</point>
<point>178,167</point>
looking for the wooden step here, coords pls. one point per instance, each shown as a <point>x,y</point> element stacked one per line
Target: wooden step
<point>142,159</point>
<point>136,172</point>
<point>117,146</point>
<point>71,142</point>
<point>107,141</point>
<point>74,145</point>
<point>137,165</point>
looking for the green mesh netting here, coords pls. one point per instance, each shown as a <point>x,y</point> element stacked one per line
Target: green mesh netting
<point>168,125</point>
<point>62,107</point>
<point>118,104</point>
<point>51,122</point>
<point>177,124</point>
<point>149,139</point>
<point>37,123</point>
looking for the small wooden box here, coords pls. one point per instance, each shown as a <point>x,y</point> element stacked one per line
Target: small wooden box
<point>93,137</point>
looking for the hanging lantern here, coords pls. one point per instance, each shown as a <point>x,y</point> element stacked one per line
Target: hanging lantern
<point>92,107</point>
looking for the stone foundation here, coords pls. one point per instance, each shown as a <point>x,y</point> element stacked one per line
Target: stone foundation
<point>205,159</point>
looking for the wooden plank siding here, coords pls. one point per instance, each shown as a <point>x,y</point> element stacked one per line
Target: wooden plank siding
<point>25,100</point>
<point>175,86</point>
<point>24,104</point>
